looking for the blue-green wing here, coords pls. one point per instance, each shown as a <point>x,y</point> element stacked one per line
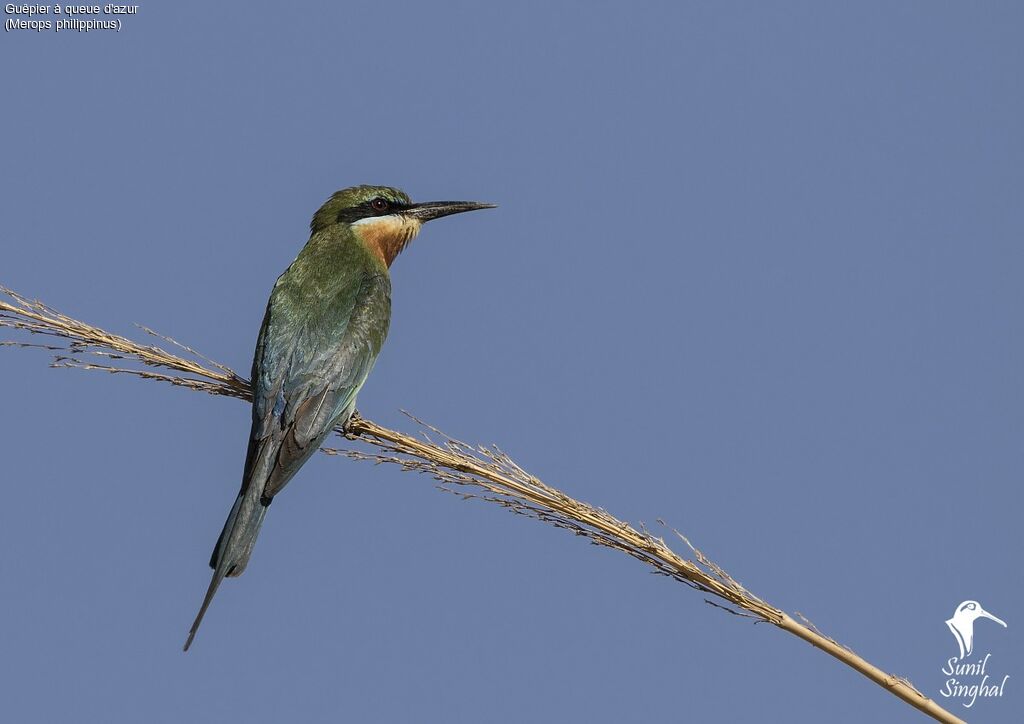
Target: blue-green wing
<point>315,351</point>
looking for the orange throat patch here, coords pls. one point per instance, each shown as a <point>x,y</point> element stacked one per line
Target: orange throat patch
<point>387,236</point>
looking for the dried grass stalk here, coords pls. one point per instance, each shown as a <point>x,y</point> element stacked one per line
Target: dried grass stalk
<point>481,472</point>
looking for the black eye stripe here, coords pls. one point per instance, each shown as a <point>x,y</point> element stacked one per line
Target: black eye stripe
<point>366,210</point>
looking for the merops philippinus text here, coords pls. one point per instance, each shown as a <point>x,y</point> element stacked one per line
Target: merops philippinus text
<point>325,324</point>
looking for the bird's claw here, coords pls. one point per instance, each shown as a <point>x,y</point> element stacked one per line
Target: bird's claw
<point>347,429</point>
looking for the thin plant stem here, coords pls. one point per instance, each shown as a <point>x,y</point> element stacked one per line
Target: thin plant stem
<point>481,472</point>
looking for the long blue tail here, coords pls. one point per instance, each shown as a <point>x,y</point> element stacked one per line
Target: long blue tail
<point>231,554</point>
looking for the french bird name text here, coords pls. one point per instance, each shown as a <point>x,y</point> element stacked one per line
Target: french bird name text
<point>26,16</point>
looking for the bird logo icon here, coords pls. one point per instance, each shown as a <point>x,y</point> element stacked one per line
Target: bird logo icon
<point>962,624</point>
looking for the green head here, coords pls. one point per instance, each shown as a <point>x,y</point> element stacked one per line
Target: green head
<point>384,218</point>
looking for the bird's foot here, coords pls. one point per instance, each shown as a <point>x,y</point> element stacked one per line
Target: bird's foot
<point>348,428</point>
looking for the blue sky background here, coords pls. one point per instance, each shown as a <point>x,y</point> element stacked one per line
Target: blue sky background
<point>756,271</point>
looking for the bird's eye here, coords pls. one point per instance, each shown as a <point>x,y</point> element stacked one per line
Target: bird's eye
<point>379,204</point>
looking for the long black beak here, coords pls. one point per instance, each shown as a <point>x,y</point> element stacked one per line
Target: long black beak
<point>436,209</point>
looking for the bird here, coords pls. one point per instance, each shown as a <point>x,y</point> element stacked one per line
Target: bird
<point>325,323</point>
<point>962,624</point>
